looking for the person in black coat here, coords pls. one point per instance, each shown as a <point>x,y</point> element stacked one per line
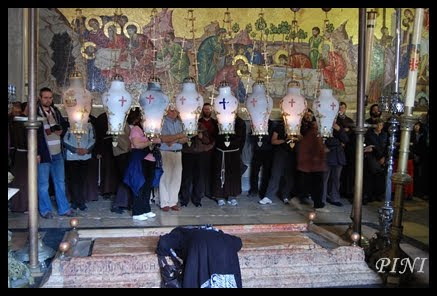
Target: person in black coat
<point>420,151</point>
<point>261,158</point>
<point>335,160</point>
<point>210,256</point>
<point>347,178</point>
<point>375,152</point>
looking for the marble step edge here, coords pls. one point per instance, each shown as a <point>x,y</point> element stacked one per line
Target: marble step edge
<point>157,231</point>
<point>260,250</point>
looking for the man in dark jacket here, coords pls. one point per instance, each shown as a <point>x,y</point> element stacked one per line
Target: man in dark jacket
<point>209,255</point>
<point>50,158</point>
<point>335,160</point>
<point>375,152</point>
<point>262,157</point>
<point>347,178</point>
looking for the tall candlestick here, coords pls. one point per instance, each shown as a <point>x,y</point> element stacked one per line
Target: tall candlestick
<point>414,59</point>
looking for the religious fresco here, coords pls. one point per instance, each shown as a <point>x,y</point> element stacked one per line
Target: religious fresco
<point>314,46</point>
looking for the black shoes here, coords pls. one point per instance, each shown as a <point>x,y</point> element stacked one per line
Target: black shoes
<point>199,205</point>
<point>335,203</point>
<point>117,210</point>
<point>70,213</point>
<point>81,207</point>
<point>252,193</point>
<point>48,215</point>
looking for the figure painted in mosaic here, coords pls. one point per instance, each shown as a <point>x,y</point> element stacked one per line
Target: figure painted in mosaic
<point>257,59</point>
<point>229,73</point>
<point>333,67</point>
<point>95,33</point>
<point>422,75</point>
<point>315,44</point>
<point>78,23</point>
<point>108,59</point>
<point>209,53</point>
<point>136,59</point>
<point>173,58</point>
<point>161,25</point>
<point>408,23</point>
<point>299,60</point>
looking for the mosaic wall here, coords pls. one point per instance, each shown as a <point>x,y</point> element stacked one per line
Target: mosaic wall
<point>316,47</point>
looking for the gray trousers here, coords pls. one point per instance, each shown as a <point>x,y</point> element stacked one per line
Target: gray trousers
<point>331,183</point>
<point>284,164</point>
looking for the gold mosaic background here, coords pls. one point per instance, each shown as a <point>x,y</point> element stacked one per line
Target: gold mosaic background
<point>307,17</point>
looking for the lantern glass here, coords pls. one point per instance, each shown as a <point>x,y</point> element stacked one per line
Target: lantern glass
<point>225,106</point>
<point>77,102</point>
<point>117,104</point>
<point>325,110</point>
<point>259,105</point>
<point>153,103</point>
<point>189,103</point>
<point>293,107</point>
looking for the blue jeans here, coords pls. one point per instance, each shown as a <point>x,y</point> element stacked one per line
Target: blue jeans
<point>56,170</point>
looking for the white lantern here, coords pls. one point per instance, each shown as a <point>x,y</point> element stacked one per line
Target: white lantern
<point>116,103</point>
<point>293,107</point>
<point>259,105</point>
<point>225,106</point>
<point>189,103</point>
<point>77,103</point>
<point>325,110</point>
<point>153,104</point>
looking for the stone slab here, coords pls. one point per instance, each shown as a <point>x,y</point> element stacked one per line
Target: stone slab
<point>282,258</point>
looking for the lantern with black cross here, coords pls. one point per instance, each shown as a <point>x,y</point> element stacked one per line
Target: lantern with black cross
<point>225,106</point>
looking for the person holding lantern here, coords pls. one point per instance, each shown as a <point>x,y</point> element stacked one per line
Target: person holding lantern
<point>283,165</point>
<point>193,162</point>
<point>336,159</point>
<point>172,138</point>
<point>211,126</point>
<point>226,184</point>
<point>142,172</point>
<point>311,160</point>
<point>78,157</point>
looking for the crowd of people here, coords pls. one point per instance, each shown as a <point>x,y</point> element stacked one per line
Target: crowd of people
<point>172,170</point>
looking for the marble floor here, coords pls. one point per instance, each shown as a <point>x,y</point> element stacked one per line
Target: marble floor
<point>248,211</point>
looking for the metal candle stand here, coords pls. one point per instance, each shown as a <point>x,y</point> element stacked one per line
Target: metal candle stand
<point>393,106</point>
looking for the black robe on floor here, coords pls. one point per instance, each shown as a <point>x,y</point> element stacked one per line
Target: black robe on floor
<point>233,163</point>
<point>210,256</point>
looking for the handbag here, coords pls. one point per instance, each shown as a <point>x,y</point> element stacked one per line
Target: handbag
<point>171,275</point>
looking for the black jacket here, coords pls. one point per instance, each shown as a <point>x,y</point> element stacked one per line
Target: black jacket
<point>207,253</point>
<point>43,149</point>
<point>336,155</point>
